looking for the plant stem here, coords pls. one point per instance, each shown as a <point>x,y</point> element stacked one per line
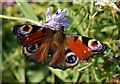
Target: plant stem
<point>21,19</point>
<point>85,67</point>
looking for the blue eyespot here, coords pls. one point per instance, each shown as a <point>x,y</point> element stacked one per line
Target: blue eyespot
<point>23,30</point>
<point>31,48</point>
<point>71,59</point>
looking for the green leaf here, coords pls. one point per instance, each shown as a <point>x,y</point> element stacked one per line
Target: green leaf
<point>60,74</point>
<point>87,75</point>
<point>27,10</point>
<point>108,28</point>
<point>80,30</point>
<point>76,76</point>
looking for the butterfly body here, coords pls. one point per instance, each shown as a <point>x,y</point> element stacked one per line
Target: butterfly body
<point>59,50</point>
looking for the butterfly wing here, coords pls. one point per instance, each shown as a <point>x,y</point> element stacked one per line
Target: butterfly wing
<point>84,47</point>
<point>44,45</point>
<point>61,54</point>
<point>59,50</point>
<point>35,41</point>
<point>71,48</point>
<point>30,34</point>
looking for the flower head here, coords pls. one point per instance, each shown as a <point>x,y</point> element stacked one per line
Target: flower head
<point>56,20</point>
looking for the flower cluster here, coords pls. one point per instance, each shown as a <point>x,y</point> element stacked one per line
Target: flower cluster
<point>107,3</point>
<point>55,21</point>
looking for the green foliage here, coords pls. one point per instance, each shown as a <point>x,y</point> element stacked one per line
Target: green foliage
<point>26,10</point>
<point>86,20</point>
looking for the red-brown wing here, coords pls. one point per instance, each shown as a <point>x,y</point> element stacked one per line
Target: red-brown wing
<point>36,41</point>
<point>79,48</point>
<point>84,47</point>
<point>30,34</point>
<point>38,53</point>
<point>54,47</point>
<point>51,48</point>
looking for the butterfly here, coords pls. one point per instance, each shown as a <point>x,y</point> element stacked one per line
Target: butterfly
<point>58,50</point>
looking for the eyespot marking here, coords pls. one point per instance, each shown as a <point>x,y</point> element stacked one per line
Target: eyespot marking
<point>25,29</point>
<point>32,48</point>
<point>71,59</point>
<point>95,45</point>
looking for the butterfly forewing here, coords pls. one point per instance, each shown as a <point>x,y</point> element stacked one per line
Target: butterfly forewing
<point>30,34</point>
<point>84,47</point>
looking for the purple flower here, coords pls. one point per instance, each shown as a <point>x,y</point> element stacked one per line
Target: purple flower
<point>56,20</point>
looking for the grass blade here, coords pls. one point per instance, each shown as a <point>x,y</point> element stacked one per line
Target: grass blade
<point>26,10</point>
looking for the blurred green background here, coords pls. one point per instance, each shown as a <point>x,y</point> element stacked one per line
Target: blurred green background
<point>86,20</point>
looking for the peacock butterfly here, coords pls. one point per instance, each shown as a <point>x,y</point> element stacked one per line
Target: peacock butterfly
<point>58,50</point>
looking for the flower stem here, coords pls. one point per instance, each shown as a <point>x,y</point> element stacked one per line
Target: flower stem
<point>85,67</point>
<point>21,19</point>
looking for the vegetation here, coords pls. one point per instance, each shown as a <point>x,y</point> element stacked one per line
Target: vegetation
<point>87,19</point>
